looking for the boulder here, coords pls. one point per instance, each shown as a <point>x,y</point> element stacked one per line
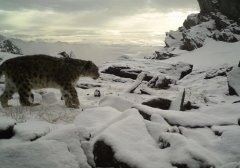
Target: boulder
<point>6,127</point>
<point>104,156</point>
<point>159,82</point>
<point>221,71</point>
<point>122,71</point>
<point>192,20</point>
<point>234,82</point>
<point>160,103</point>
<point>38,154</point>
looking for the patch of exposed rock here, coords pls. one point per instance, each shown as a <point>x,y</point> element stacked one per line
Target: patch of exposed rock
<point>159,75</point>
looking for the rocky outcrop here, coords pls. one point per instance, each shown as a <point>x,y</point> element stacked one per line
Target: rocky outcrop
<point>160,82</point>
<point>234,82</point>
<point>7,46</point>
<point>169,72</point>
<point>6,127</point>
<point>230,8</point>
<point>218,19</point>
<point>221,71</point>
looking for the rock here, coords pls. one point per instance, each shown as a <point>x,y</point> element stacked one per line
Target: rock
<point>6,127</point>
<point>221,71</point>
<point>177,104</point>
<point>160,103</point>
<point>7,46</point>
<point>49,154</point>
<point>159,82</point>
<point>162,55</point>
<point>230,8</point>
<point>31,130</point>
<point>137,82</point>
<point>130,70</point>
<point>207,6</point>
<point>122,71</point>
<point>218,19</point>
<point>189,106</point>
<point>234,82</point>
<point>97,93</point>
<point>192,20</point>
<point>87,85</point>
<point>191,43</point>
<point>104,156</point>
<point>184,68</point>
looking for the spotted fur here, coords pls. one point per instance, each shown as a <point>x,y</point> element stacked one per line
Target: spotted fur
<point>22,74</point>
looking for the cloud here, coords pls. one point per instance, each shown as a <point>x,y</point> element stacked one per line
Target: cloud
<point>113,6</point>
<point>92,19</point>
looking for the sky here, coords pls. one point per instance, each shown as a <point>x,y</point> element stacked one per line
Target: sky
<point>94,21</point>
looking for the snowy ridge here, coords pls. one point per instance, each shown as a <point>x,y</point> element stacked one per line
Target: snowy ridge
<point>116,129</point>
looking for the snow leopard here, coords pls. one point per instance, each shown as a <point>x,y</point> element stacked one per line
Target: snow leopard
<point>24,73</point>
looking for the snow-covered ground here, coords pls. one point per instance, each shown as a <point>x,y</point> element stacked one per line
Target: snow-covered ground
<point>117,130</point>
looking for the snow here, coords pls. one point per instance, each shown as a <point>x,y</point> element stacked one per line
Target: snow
<point>191,119</point>
<point>95,118</point>
<point>51,135</point>
<point>6,122</point>
<point>117,102</point>
<point>213,53</point>
<point>32,130</point>
<point>51,154</point>
<point>72,136</point>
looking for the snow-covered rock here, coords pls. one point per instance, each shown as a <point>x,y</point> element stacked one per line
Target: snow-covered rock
<point>72,137</point>
<point>95,119</point>
<point>160,82</point>
<point>117,102</point>
<point>217,20</point>
<point>38,154</point>
<point>6,127</point>
<point>6,45</point>
<point>31,130</point>
<point>234,81</point>
<point>129,69</point>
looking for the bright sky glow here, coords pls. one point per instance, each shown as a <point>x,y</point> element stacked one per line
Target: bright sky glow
<point>93,21</point>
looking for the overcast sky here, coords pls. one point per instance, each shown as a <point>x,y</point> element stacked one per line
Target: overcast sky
<point>107,21</point>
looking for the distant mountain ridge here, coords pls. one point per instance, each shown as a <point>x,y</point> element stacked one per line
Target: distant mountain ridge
<point>218,19</point>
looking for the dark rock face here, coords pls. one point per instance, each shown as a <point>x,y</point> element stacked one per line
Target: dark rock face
<point>218,19</point>
<point>104,156</point>
<point>7,133</point>
<point>207,6</point>
<point>125,72</point>
<point>231,8</point>
<point>160,103</point>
